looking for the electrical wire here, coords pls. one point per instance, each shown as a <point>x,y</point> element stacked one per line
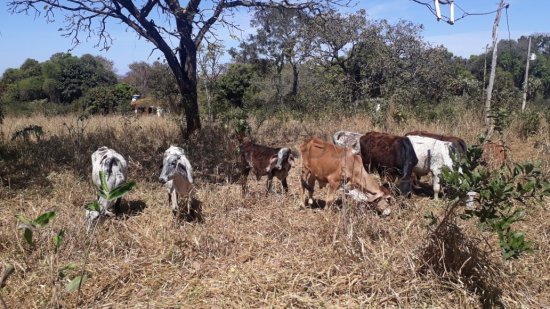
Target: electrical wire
<point>464,12</point>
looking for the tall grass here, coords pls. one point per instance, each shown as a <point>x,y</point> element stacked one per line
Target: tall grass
<point>258,251</point>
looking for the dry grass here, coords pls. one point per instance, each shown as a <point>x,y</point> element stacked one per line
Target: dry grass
<point>261,251</point>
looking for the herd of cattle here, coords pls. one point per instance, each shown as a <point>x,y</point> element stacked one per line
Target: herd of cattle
<point>346,163</point>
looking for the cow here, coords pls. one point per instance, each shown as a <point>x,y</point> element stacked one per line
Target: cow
<point>176,175</point>
<point>330,164</point>
<point>458,143</point>
<point>494,155</point>
<point>433,154</point>
<point>115,169</point>
<point>263,160</point>
<point>389,155</point>
<point>347,139</point>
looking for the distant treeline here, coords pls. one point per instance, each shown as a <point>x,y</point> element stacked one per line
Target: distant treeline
<point>294,65</point>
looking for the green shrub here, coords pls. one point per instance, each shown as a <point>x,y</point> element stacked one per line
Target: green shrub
<point>497,191</point>
<point>529,123</point>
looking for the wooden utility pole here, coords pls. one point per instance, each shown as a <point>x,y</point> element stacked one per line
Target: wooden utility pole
<point>484,72</point>
<point>526,79</point>
<point>486,119</point>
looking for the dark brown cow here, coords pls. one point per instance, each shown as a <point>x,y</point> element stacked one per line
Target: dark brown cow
<point>263,160</point>
<point>494,155</point>
<point>329,164</point>
<point>458,143</point>
<point>390,155</point>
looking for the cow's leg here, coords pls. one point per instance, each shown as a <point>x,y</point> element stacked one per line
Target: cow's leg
<point>308,183</point>
<point>331,196</point>
<point>285,185</point>
<point>435,184</point>
<point>269,182</point>
<point>174,202</point>
<point>244,178</point>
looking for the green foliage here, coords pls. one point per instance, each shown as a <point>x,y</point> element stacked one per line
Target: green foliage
<point>498,190</point>
<point>62,79</point>
<point>76,283</point>
<point>501,117</point>
<point>29,225</point>
<point>116,192</point>
<point>105,100</point>
<point>58,239</point>
<point>232,87</point>
<point>529,123</point>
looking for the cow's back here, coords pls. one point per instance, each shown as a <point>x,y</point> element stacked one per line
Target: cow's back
<point>256,156</point>
<point>383,151</point>
<point>458,143</point>
<point>430,152</point>
<point>321,158</point>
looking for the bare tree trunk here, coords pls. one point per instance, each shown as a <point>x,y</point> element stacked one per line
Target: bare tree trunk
<point>208,100</point>
<point>526,79</point>
<point>188,87</point>
<point>487,120</point>
<point>295,72</point>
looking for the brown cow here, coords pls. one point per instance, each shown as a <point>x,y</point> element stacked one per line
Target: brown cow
<point>494,155</point>
<point>458,143</point>
<point>329,164</point>
<point>263,160</point>
<point>390,155</point>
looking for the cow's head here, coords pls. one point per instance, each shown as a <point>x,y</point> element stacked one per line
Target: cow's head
<point>175,163</point>
<point>383,204</point>
<point>282,160</point>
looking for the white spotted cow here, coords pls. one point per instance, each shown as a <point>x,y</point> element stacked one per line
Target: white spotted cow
<point>115,168</point>
<point>433,155</point>
<point>176,175</point>
<point>348,139</point>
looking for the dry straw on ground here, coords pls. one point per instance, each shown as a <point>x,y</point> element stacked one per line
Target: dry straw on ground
<point>260,251</point>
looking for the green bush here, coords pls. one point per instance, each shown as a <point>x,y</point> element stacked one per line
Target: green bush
<point>529,123</point>
<point>496,193</point>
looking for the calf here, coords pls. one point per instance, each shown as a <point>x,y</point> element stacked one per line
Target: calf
<point>176,175</point>
<point>263,160</point>
<point>389,155</point>
<point>433,155</point>
<point>347,139</point>
<point>115,168</point>
<point>457,142</point>
<point>333,165</point>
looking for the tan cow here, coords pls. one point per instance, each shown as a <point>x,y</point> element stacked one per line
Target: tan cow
<point>330,164</point>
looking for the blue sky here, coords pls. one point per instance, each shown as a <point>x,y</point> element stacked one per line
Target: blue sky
<point>23,37</point>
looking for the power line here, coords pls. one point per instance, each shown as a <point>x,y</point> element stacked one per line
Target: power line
<point>464,12</point>
<point>508,26</point>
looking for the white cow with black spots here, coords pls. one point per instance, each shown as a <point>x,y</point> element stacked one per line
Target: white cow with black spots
<point>115,168</point>
<point>433,155</point>
<point>176,175</point>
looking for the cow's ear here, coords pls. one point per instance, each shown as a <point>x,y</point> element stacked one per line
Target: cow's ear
<point>181,169</point>
<point>291,159</point>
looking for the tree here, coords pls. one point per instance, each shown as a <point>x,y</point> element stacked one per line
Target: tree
<point>159,22</point>
<point>210,69</point>
<point>282,38</point>
<point>335,39</point>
